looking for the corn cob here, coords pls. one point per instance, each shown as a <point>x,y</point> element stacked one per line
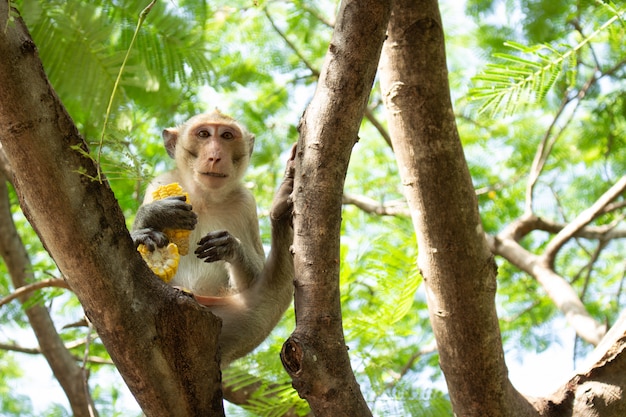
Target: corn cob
<point>163,261</point>
<point>179,237</point>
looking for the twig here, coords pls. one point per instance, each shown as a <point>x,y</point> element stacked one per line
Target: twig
<point>394,208</point>
<point>37,351</point>
<point>584,218</point>
<point>142,18</point>
<point>53,282</point>
<point>549,140</point>
<point>315,73</point>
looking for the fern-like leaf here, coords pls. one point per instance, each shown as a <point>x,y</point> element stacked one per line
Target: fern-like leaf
<point>529,74</point>
<point>504,87</point>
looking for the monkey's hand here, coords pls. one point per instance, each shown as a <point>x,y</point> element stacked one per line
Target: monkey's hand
<point>149,237</point>
<point>282,205</point>
<point>167,213</point>
<point>220,245</point>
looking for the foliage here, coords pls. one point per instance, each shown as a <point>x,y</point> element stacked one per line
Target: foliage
<point>555,93</point>
<point>259,62</point>
<point>513,82</point>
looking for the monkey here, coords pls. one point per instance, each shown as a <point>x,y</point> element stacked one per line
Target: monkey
<point>226,269</point>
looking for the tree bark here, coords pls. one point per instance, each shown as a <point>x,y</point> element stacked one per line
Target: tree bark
<point>162,342</point>
<point>316,354</point>
<point>458,269</point>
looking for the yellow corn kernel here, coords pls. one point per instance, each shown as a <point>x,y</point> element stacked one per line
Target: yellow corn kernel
<point>163,261</point>
<point>179,237</point>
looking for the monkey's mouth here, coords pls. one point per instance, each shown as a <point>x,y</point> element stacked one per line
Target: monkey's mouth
<point>214,174</point>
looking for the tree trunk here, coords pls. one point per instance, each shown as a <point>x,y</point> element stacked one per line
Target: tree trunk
<point>458,269</point>
<point>316,355</point>
<point>162,342</point>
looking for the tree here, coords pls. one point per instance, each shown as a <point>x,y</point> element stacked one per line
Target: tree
<point>454,257</point>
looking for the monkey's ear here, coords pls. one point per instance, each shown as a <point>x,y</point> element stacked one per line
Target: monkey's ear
<point>251,142</point>
<point>170,137</point>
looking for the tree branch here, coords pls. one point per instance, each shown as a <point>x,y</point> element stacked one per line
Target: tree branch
<point>316,73</point>
<point>163,343</point>
<point>315,355</point>
<point>368,205</point>
<point>37,351</point>
<point>5,168</point>
<point>26,289</point>
<point>597,389</point>
<point>548,141</point>
<point>557,288</point>
<point>584,218</point>
<point>454,259</point>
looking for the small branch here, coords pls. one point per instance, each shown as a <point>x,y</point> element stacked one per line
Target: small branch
<point>541,156</point>
<point>548,141</point>
<point>381,129</point>
<point>585,217</point>
<point>316,73</point>
<point>37,351</point>
<point>614,206</point>
<point>588,269</point>
<point>529,223</point>
<point>426,350</point>
<point>318,16</point>
<point>558,289</point>
<point>26,289</point>
<point>368,205</point>
<point>291,46</point>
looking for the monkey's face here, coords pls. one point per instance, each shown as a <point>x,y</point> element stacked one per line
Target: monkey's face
<point>211,149</point>
<point>215,154</point>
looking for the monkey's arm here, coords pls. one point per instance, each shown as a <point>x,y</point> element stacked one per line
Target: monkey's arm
<point>279,269</point>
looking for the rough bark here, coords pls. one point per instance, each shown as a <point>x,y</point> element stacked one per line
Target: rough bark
<point>163,343</point>
<point>316,355</point>
<point>458,269</point>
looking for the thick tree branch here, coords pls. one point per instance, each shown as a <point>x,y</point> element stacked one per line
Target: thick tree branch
<point>316,355</point>
<point>598,388</point>
<point>458,269</point>
<point>5,168</point>
<point>162,342</point>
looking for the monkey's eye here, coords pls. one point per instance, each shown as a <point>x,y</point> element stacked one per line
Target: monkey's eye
<point>228,135</point>
<point>204,133</point>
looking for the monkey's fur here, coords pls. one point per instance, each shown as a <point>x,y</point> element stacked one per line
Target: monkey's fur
<point>226,268</point>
